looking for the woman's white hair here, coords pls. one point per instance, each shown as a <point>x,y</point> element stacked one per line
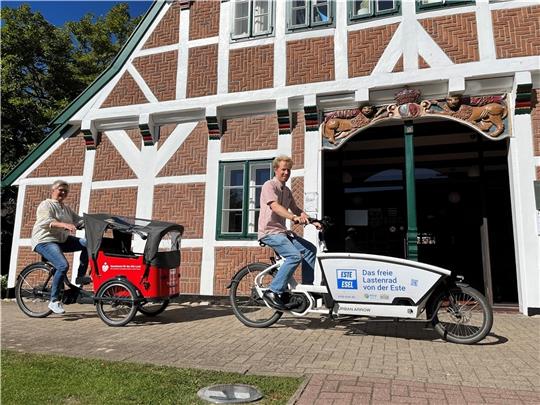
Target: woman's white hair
<point>59,183</point>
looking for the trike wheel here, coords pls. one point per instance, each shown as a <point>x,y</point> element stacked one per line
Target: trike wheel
<point>33,290</point>
<point>248,307</point>
<point>462,315</point>
<point>116,304</point>
<point>150,308</point>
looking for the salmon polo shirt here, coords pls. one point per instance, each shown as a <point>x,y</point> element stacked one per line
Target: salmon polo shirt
<point>271,223</point>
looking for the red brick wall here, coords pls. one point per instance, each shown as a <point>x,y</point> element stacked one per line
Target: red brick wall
<point>27,256</point>
<point>190,158</point>
<point>183,204</point>
<point>297,188</point>
<point>456,35</point>
<point>126,92</point>
<point>398,67</point>
<point>34,195</point>
<point>517,32</point>
<point>118,201</point>
<point>298,133</point>
<point>204,19</point>
<point>190,271</point>
<point>250,133</point>
<point>202,71</point>
<point>365,48</point>
<point>159,73</point>
<point>135,136</point>
<point>109,164</point>
<point>422,64</point>
<point>167,30</point>
<point>67,160</point>
<point>251,68</point>
<point>228,260</point>
<point>535,118</point>
<point>310,60</point>
<point>164,132</point>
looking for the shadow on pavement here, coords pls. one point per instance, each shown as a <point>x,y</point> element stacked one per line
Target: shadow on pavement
<point>380,327</point>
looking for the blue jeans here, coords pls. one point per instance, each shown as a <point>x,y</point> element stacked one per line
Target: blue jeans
<point>54,253</point>
<point>294,250</point>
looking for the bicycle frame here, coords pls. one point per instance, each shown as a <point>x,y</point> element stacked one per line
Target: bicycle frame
<point>367,285</point>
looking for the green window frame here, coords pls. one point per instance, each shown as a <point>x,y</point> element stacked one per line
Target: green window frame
<point>362,9</point>
<point>304,14</point>
<point>239,186</point>
<point>424,5</point>
<point>252,18</point>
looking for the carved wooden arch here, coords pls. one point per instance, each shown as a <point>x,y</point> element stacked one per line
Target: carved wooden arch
<point>486,115</point>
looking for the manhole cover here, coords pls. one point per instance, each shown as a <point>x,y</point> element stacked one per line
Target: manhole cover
<point>230,394</point>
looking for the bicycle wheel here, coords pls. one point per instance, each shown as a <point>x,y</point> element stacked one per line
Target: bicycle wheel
<point>33,290</point>
<point>116,304</point>
<point>153,308</point>
<point>248,307</point>
<point>463,315</point>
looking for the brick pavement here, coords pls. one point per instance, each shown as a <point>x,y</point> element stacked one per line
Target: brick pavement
<point>349,362</point>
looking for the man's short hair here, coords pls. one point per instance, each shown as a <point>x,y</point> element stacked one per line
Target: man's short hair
<point>282,158</point>
<point>60,183</point>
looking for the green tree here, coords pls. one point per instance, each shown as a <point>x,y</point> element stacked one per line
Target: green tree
<point>45,67</point>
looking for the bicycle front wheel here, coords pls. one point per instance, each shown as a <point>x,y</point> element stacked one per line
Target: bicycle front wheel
<point>248,307</point>
<point>463,315</point>
<point>33,290</point>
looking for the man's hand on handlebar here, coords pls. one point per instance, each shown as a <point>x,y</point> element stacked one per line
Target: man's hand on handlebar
<point>303,219</point>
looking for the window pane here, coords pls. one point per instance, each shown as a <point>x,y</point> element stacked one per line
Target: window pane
<point>256,223</point>
<point>232,221</point>
<point>320,11</point>
<point>260,24</point>
<point>258,197</point>
<point>260,17</point>
<point>298,12</point>
<point>262,175</point>
<point>385,5</point>
<point>361,7</point>
<point>234,177</point>
<point>241,9</point>
<point>233,198</point>
<point>241,27</point>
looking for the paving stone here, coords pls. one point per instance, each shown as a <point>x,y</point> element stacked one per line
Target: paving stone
<point>378,363</point>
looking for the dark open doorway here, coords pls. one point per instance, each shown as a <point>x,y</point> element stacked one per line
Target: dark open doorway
<point>462,200</point>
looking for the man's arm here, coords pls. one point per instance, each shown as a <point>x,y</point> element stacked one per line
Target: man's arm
<point>282,211</point>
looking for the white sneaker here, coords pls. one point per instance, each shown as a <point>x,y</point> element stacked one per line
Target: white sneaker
<point>56,307</point>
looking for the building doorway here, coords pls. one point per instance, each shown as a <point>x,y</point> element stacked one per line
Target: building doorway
<point>462,201</point>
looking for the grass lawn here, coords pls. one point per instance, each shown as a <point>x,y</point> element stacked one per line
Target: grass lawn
<point>33,378</point>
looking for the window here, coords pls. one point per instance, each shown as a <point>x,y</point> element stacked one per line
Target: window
<point>428,4</point>
<point>251,18</point>
<point>309,13</point>
<point>240,185</point>
<point>359,9</point>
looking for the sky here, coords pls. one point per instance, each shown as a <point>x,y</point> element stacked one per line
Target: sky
<point>58,12</point>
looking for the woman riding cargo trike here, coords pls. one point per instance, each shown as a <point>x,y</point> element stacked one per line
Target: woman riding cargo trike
<point>126,277</point>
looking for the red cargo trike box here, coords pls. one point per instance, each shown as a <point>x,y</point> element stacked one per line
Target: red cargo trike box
<point>154,271</point>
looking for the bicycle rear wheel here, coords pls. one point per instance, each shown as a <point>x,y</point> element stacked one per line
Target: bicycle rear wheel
<point>248,307</point>
<point>150,308</point>
<point>33,290</point>
<point>463,315</point>
<point>116,302</point>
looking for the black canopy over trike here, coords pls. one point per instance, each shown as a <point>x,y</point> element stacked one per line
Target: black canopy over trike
<point>134,265</point>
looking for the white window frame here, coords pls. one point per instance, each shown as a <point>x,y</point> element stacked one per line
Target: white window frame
<point>309,6</point>
<point>251,19</point>
<point>373,11</point>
